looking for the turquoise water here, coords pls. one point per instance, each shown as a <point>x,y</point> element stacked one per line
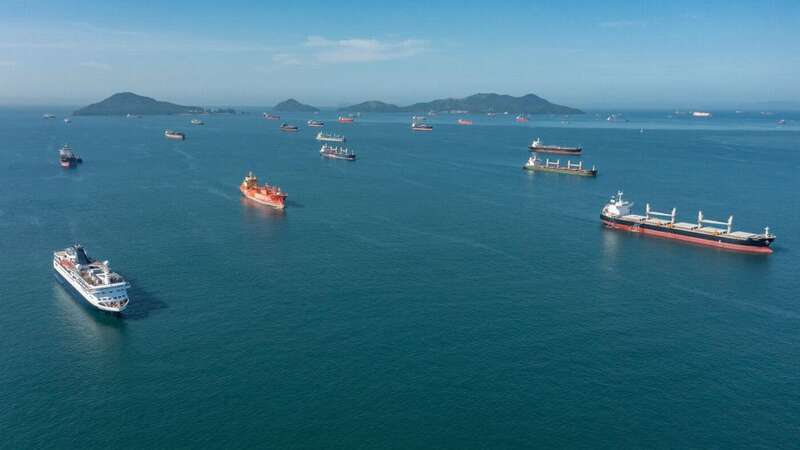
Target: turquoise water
<point>431,294</point>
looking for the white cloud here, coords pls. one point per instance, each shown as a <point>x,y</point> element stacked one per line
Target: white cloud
<point>363,50</point>
<point>95,65</point>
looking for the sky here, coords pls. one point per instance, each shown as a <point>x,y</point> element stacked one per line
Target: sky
<point>673,54</point>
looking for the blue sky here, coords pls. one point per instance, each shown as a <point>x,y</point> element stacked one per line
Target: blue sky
<point>585,54</point>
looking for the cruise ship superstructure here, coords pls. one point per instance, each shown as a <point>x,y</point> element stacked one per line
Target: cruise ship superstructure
<point>92,279</point>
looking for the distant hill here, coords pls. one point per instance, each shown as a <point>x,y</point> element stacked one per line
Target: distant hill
<point>374,106</point>
<point>129,103</point>
<point>293,105</point>
<point>478,103</point>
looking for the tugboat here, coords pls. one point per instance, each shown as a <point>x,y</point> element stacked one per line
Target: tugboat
<point>197,122</point>
<point>346,119</point>
<point>332,152</point>
<point>270,116</point>
<point>464,122</point>
<point>266,194</point>
<point>68,159</point>
<point>289,128</point>
<point>571,168</point>
<point>537,146</point>
<point>330,137</point>
<point>92,279</point>
<point>617,214</point>
<point>177,135</point>
<point>315,123</point>
<point>418,124</point>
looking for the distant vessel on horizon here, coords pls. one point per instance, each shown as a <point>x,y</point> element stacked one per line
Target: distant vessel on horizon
<point>271,116</point>
<point>521,119</point>
<point>177,135</point>
<point>346,119</point>
<point>197,122</point>
<point>48,116</point>
<point>464,122</point>
<point>330,137</point>
<point>701,114</point>
<point>289,128</point>
<point>315,123</point>
<point>418,124</point>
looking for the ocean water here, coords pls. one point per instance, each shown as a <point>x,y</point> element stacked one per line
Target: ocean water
<point>429,295</point>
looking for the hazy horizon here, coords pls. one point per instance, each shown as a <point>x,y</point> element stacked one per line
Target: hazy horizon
<point>619,55</point>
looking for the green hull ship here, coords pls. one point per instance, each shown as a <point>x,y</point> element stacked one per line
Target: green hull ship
<point>571,168</point>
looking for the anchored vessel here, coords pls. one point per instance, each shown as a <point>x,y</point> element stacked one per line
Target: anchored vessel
<point>67,120</point>
<point>197,122</point>
<point>266,194</point>
<point>701,114</point>
<point>316,123</point>
<point>521,119</point>
<point>330,137</point>
<point>48,116</point>
<point>330,151</point>
<point>68,159</point>
<point>346,119</point>
<point>92,279</point>
<point>271,116</point>
<point>169,134</point>
<point>555,166</point>
<point>537,146</point>
<point>464,122</point>
<point>418,124</point>
<point>289,128</point>
<point>616,214</point>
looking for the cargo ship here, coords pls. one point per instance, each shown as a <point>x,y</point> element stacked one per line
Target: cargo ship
<point>316,123</point>
<point>701,114</point>
<point>346,119</point>
<point>197,122</point>
<point>91,279</point>
<point>289,128</point>
<point>617,214</point>
<point>265,194</point>
<point>537,146</point>
<point>332,152</point>
<point>418,124</point>
<point>66,158</point>
<point>521,119</point>
<point>271,116</point>
<point>464,122</point>
<point>177,135</point>
<point>322,137</point>
<point>571,168</point>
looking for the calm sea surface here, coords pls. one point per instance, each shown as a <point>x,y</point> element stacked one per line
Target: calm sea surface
<point>431,294</point>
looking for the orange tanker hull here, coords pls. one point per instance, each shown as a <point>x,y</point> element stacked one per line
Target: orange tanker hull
<point>265,195</point>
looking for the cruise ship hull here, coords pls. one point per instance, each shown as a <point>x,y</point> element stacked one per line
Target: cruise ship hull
<point>77,290</point>
<point>728,243</point>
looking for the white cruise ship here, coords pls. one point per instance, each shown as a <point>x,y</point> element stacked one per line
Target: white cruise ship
<point>92,279</point>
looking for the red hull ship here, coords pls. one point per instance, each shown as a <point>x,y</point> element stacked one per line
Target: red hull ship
<point>265,194</point>
<point>464,122</point>
<point>344,119</point>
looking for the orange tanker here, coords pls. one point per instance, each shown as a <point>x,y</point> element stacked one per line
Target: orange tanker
<point>266,194</point>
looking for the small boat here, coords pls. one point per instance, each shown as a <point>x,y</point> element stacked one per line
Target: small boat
<point>330,137</point>
<point>418,124</point>
<point>781,122</point>
<point>464,122</point>
<point>271,116</point>
<point>177,135</point>
<point>537,146</point>
<point>197,122</point>
<point>571,168</point>
<point>332,152</point>
<point>616,118</point>
<point>67,120</point>
<point>265,194</point>
<point>346,119</point>
<point>701,114</point>
<point>66,158</point>
<point>48,116</point>
<point>133,116</point>
<point>521,119</point>
<point>289,128</point>
<point>315,123</point>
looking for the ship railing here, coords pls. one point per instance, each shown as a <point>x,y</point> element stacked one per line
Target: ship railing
<point>649,212</point>
<point>701,221</point>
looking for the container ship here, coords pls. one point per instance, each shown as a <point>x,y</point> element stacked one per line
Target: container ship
<point>92,279</point>
<point>322,137</point>
<point>346,119</point>
<point>271,116</point>
<point>464,122</point>
<point>617,214</point>
<point>177,135</point>
<point>289,128</point>
<point>537,146</point>
<point>315,123</point>
<point>66,158</point>
<point>332,152</point>
<point>571,168</point>
<point>265,194</point>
